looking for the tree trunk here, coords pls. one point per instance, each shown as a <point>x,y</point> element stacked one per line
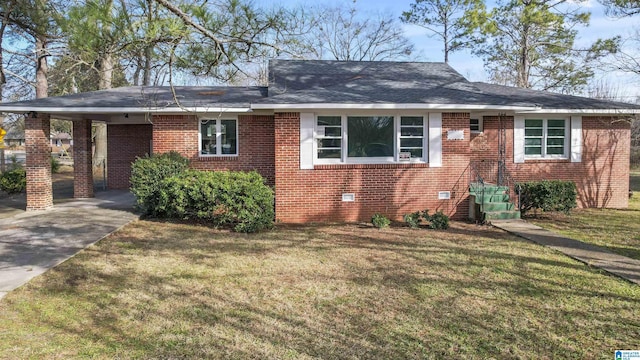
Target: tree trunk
<point>100,140</point>
<point>106,71</point>
<point>105,82</point>
<point>148,53</point>
<point>42,86</point>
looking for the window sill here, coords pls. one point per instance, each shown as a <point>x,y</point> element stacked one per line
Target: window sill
<point>546,160</point>
<point>217,157</point>
<point>370,166</point>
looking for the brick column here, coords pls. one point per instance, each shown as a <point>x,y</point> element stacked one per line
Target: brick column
<point>38,151</point>
<point>82,159</point>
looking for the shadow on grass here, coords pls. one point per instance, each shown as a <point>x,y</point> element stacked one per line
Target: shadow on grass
<point>394,293</point>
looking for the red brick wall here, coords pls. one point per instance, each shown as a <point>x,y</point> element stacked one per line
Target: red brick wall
<point>124,144</point>
<point>390,189</point>
<point>82,164</point>
<point>602,177</point>
<point>255,143</point>
<point>38,162</point>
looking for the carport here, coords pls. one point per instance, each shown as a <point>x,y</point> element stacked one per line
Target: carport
<point>128,114</point>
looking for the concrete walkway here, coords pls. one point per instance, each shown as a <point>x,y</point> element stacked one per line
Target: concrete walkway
<point>33,242</point>
<point>618,265</point>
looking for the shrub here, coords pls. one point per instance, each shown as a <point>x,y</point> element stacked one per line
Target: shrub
<point>548,195</point>
<point>55,165</point>
<point>225,198</point>
<point>380,221</point>
<point>13,181</point>
<point>413,219</point>
<point>148,172</point>
<point>437,221</point>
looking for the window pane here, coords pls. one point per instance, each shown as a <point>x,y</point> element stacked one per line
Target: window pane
<point>555,123</point>
<point>474,124</point>
<point>532,150</point>
<point>208,134</point>
<point>370,136</point>
<point>332,131</point>
<point>555,132</point>
<point>533,132</point>
<point>229,139</point>
<point>329,154</point>
<point>415,153</point>
<point>411,120</point>
<point>329,143</point>
<point>533,142</point>
<point>556,142</point>
<point>411,142</point>
<point>329,120</point>
<point>532,123</point>
<point>411,131</point>
<point>555,151</point>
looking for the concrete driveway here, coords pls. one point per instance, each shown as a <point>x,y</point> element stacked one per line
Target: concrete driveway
<point>33,242</point>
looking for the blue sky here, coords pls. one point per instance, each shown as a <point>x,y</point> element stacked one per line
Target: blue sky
<point>429,49</point>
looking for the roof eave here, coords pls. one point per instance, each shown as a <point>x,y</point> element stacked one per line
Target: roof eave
<point>581,111</point>
<point>121,110</point>
<point>386,106</point>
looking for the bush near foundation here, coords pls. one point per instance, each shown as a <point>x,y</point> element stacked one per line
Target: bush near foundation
<point>147,174</point>
<point>240,200</point>
<point>548,195</point>
<point>13,181</point>
<point>380,221</point>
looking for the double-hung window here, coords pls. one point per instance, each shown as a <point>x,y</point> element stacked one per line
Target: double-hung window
<point>545,138</point>
<point>329,137</point>
<point>369,139</point>
<point>218,137</point>
<point>411,138</point>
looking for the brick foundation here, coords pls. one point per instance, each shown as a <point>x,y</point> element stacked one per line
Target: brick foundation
<point>82,163</point>
<point>38,162</point>
<point>124,144</point>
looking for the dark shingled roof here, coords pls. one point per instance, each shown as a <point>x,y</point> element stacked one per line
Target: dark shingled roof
<point>294,82</point>
<point>343,82</point>
<point>547,100</point>
<point>155,97</point>
<point>302,81</point>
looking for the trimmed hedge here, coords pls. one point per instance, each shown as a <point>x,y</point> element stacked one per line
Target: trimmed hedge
<point>13,181</point>
<point>147,174</point>
<point>226,198</point>
<point>548,195</point>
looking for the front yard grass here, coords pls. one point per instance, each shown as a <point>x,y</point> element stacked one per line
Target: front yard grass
<point>617,230</point>
<point>168,290</point>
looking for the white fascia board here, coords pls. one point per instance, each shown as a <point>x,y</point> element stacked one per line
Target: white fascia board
<point>389,106</point>
<point>582,111</point>
<point>120,110</point>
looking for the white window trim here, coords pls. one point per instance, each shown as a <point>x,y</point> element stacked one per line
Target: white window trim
<point>218,122</point>
<point>545,156</point>
<point>480,123</point>
<point>346,160</point>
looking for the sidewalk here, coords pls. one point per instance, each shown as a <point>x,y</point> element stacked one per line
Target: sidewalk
<point>592,255</point>
<point>33,242</point>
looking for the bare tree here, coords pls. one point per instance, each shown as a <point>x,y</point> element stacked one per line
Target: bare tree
<point>344,34</point>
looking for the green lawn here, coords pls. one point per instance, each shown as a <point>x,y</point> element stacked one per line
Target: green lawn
<point>163,290</point>
<point>616,230</point>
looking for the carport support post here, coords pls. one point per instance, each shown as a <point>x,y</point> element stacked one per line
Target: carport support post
<point>38,152</point>
<point>82,159</point>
